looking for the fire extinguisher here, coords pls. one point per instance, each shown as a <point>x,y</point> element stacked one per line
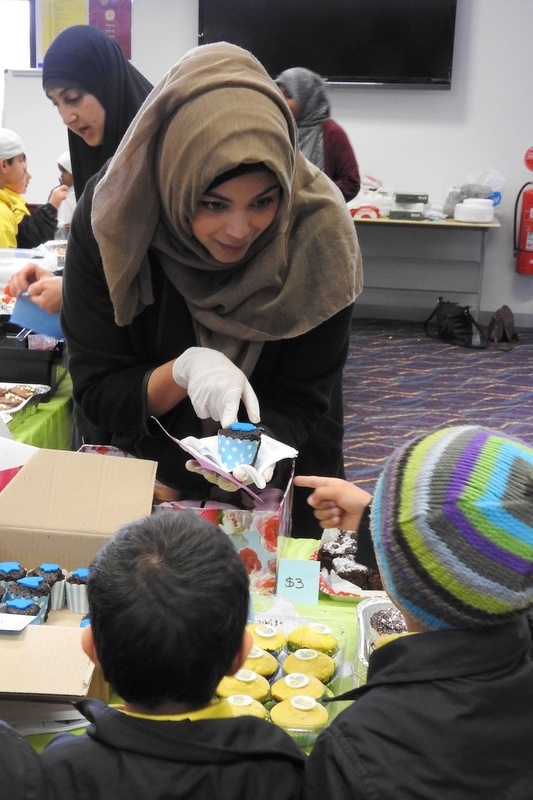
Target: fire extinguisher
<point>523,237</point>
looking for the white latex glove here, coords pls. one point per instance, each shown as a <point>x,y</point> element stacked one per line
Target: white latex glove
<point>215,385</point>
<point>239,473</point>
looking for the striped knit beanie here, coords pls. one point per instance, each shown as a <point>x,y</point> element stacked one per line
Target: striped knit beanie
<point>452,525</point>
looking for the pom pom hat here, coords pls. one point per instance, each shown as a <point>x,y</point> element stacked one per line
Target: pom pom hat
<point>452,525</point>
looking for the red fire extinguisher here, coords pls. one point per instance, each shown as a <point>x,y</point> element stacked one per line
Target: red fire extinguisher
<point>523,236</point>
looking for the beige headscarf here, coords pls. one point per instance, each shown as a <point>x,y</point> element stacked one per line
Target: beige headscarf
<point>216,109</point>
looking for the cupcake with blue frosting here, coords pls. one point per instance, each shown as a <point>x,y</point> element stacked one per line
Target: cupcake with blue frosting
<point>238,444</point>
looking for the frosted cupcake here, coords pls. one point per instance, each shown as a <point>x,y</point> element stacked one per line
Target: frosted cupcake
<point>76,589</point>
<point>245,681</point>
<point>297,683</point>
<point>260,661</point>
<point>310,662</point>
<point>10,571</point>
<point>36,589</point>
<point>242,705</point>
<point>55,578</point>
<point>238,444</point>
<point>300,713</point>
<point>316,636</point>
<point>267,637</point>
<point>21,606</point>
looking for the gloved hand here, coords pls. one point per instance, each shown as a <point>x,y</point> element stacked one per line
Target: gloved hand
<point>239,473</point>
<point>215,385</point>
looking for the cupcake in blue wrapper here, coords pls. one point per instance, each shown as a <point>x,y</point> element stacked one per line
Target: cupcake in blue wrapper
<point>21,605</point>
<point>55,578</point>
<point>76,589</point>
<point>35,588</point>
<point>238,444</point>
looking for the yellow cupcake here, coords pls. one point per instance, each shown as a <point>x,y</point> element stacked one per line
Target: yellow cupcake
<point>316,636</point>
<point>260,661</point>
<point>297,683</point>
<point>300,713</point>
<point>242,705</point>
<point>267,637</point>
<point>310,662</point>
<point>245,681</point>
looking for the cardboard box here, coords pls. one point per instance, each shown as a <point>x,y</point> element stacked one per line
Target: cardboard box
<point>61,507</point>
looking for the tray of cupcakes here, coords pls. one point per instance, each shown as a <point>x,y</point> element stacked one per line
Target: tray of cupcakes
<point>34,593</point>
<point>294,667</point>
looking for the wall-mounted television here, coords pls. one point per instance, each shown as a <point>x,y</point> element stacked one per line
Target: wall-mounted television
<point>395,43</point>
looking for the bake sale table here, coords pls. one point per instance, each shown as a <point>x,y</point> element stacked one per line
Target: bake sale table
<point>406,248</point>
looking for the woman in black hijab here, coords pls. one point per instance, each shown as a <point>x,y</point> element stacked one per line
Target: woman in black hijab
<point>84,65</point>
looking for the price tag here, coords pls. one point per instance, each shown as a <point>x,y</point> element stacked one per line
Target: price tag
<point>298,580</point>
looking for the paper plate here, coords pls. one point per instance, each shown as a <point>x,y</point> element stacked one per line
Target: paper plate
<point>344,595</point>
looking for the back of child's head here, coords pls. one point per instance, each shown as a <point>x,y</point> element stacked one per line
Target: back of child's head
<point>10,144</point>
<point>168,601</point>
<point>452,524</point>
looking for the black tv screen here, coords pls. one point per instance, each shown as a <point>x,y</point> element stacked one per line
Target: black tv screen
<point>407,43</point>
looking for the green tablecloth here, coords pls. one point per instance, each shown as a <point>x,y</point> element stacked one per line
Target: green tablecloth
<point>51,424</point>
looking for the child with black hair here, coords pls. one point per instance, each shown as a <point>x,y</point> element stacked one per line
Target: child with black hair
<point>168,604</point>
<point>447,709</point>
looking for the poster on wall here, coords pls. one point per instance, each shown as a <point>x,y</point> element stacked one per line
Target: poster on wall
<point>114,18</point>
<point>52,16</point>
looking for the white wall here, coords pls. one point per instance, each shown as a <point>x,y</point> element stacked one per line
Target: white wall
<point>420,140</point>
<point>416,139</point>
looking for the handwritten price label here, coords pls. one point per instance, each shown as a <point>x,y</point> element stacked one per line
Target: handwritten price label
<point>298,580</point>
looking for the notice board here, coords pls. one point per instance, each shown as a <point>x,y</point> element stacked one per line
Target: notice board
<point>31,114</point>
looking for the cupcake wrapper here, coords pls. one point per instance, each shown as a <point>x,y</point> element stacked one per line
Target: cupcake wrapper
<point>77,601</point>
<point>58,595</point>
<point>234,452</point>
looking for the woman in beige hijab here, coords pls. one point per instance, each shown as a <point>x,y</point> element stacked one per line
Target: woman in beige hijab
<point>211,276</point>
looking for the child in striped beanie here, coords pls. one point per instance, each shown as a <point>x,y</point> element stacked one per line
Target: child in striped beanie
<point>447,709</point>
<point>452,526</point>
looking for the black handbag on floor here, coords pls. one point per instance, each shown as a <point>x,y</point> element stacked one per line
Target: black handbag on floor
<point>501,327</point>
<point>454,324</point>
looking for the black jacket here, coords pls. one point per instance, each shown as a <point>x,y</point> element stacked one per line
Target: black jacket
<point>298,381</point>
<point>122,757</point>
<point>444,716</point>
<point>40,226</point>
<point>22,776</point>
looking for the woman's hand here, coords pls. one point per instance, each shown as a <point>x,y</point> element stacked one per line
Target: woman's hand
<point>239,473</point>
<point>29,274</point>
<point>215,385</point>
<point>47,293</point>
<point>337,503</point>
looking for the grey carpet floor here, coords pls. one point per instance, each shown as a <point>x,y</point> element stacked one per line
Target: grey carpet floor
<point>398,382</point>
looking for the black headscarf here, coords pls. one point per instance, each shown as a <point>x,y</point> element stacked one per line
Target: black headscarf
<point>83,57</point>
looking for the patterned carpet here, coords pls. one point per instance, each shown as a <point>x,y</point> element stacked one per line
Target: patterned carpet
<point>399,382</point>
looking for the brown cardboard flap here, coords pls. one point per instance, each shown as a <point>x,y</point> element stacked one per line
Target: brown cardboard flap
<point>61,507</point>
<point>77,492</point>
<point>45,662</point>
